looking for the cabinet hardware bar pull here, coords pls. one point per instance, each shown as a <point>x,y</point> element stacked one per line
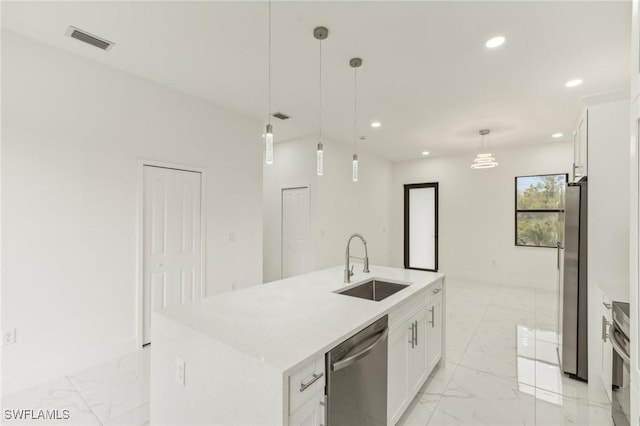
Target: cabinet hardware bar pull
<point>432,316</point>
<point>323,404</point>
<point>412,334</point>
<point>314,378</point>
<point>416,332</point>
<point>605,326</point>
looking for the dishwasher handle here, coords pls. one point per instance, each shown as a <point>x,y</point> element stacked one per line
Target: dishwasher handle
<point>351,359</point>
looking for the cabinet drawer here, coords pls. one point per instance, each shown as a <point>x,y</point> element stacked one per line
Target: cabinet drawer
<point>305,382</point>
<point>434,290</point>
<point>405,311</point>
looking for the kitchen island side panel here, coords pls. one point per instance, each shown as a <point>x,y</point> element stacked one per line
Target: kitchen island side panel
<point>215,375</point>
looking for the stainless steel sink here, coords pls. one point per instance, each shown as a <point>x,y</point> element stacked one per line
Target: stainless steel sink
<point>375,290</point>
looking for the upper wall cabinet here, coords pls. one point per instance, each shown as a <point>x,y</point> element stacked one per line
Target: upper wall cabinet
<point>635,52</point>
<point>580,150</point>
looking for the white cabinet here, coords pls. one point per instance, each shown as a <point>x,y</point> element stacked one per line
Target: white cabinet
<point>415,347</point>
<point>607,349</point>
<point>397,377</point>
<point>580,151</point>
<point>311,413</point>
<point>417,366</point>
<point>435,328</point>
<point>407,365</point>
<point>306,394</point>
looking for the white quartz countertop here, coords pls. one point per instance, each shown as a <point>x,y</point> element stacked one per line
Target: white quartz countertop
<point>284,323</point>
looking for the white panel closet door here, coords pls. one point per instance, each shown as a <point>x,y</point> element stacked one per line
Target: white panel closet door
<point>295,231</point>
<point>421,226</point>
<point>172,240</point>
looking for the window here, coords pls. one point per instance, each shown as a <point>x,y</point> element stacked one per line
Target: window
<point>539,210</point>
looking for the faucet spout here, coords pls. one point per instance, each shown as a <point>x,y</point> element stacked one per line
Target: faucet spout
<point>347,271</point>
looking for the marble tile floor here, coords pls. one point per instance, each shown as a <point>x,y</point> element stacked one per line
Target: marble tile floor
<point>500,369</point>
<point>501,365</point>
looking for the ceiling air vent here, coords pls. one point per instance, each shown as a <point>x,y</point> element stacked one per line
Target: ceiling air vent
<point>88,38</point>
<point>281,116</point>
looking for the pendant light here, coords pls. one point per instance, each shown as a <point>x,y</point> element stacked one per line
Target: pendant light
<point>320,33</point>
<point>355,63</point>
<point>484,160</point>
<point>268,135</point>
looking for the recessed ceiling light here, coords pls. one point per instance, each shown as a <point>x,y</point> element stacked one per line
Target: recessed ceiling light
<point>495,42</point>
<point>425,153</point>
<point>375,124</point>
<point>573,83</point>
<point>557,135</point>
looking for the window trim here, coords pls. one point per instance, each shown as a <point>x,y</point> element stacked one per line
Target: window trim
<point>516,210</point>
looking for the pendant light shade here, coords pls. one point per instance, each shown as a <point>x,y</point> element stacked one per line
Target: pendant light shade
<point>268,143</point>
<point>484,160</point>
<point>320,160</point>
<point>354,170</point>
<point>320,33</point>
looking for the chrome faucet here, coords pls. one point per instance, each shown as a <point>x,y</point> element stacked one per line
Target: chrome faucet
<point>349,272</point>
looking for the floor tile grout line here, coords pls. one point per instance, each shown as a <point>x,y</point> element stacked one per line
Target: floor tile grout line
<point>83,400</point>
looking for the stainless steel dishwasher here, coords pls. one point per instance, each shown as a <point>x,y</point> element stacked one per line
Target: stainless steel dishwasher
<point>357,378</point>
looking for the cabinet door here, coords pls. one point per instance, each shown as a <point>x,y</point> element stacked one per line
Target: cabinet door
<point>418,353</point>
<point>311,413</point>
<point>583,140</point>
<point>607,351</point>
<point>576,154</point>
<point>398,359</point>
<point>434,331</point>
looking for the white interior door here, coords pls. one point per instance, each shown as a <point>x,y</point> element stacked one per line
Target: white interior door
<point>421,226</point>
<point>172,240</point>
<point>295,231</point>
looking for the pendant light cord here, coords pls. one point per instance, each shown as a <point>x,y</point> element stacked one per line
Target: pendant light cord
<point>320,94</point>
<point>355,108</point>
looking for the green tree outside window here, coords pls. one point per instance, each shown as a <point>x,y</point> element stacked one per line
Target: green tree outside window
<point>540,210</point>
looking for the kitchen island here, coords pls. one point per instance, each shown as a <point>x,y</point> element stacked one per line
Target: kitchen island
<point>257,356</point>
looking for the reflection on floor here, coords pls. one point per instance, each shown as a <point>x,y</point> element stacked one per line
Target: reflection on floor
<point>501,365</point>
<point>501,368</point>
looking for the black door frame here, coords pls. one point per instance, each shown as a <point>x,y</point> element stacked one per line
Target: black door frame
<point>407,188</point>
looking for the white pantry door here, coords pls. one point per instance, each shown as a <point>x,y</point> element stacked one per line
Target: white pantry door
<point>172,240</point>
<point>295,231</point>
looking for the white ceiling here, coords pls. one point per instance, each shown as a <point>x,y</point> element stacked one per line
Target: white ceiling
<point>426,74</point>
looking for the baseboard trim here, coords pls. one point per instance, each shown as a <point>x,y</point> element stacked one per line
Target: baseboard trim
<point>17,382</point>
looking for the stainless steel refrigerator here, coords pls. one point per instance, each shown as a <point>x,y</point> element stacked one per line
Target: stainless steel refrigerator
<point>573,281</point>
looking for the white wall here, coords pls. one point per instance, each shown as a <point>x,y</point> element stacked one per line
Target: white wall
<point>476,214</point>
<point>72,132</point>
<point>339,206</point>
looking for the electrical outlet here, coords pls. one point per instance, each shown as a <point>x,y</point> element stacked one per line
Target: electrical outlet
<point>9,337</point>
<point>180,370</point>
